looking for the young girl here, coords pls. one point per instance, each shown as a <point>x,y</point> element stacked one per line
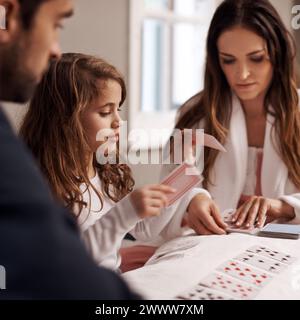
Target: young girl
<point>79,96</point>
<point>249,103</point>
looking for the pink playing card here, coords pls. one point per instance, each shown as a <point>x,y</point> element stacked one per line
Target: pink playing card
<point>233,228</point>
<point>229,286</point>
<point>212,142</point>
<point>245,273</point>
<point>183,179</point>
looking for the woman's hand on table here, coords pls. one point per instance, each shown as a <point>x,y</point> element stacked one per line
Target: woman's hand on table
<point>256,210</point>
<point>204,217</point>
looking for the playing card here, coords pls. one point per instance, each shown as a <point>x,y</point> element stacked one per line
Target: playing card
<point>229,286</point>
<point>233,228</point>
<point>212,142</point>
<point>245,273</point>
<point>277,230</point>
<point>201,293</point>
<point>273,254</point>
<point>261,262</point>
<point>206,140</point>
<point>227,214</point>
<point>181,181</point>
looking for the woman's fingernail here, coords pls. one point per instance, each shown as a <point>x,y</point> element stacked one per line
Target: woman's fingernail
<point>238,223</point>
<point>248,225</point>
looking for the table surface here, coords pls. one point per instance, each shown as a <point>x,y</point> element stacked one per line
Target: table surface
<point>188,259</point>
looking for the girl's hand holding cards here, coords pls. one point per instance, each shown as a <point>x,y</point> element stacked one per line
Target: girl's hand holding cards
<point>150,199</point>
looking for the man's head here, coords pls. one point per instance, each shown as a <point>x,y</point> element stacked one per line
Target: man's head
<point>27,43</point>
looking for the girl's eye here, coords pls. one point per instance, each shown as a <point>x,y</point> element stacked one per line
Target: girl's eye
<point>257,59</point>
<point>104,114</point>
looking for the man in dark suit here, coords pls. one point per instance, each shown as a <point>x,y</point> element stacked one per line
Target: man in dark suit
<point>40,248</point>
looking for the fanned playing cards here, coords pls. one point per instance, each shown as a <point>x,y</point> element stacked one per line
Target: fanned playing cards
<point>187,176</point>
<point>181,181</point>
<point>241,277</point>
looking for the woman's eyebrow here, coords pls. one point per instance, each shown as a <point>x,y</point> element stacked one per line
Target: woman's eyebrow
<point>248,54</point>
<point>255,52</point>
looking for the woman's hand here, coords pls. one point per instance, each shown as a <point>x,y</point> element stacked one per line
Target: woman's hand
<point>256,210</point>
<point>150,199</point>
<point>204,217</point>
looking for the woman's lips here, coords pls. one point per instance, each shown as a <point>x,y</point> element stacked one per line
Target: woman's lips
<point>246,85</point>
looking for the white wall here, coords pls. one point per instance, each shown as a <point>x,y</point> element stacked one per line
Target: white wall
<point>297,37</point>
<point>99,27</point>
<point>284,7</point>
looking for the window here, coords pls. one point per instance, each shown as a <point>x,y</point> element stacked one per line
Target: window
<point>167,56</point>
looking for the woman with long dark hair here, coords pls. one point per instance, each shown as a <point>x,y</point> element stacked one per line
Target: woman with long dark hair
<point>249,103</point>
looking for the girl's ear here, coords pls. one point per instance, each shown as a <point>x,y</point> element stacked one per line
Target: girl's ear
<point>9,20</point>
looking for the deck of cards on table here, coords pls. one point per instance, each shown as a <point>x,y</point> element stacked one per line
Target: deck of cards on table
<point>227,214</point>
<point>276,230</point>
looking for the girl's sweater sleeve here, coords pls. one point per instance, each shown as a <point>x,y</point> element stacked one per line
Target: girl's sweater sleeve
<point>104,237</point>
<point>169,223</point>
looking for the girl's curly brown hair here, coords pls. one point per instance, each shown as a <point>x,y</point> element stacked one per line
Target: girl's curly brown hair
<point>52,129</point>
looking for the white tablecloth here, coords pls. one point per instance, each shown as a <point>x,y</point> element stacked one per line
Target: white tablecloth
<point>188,259</point>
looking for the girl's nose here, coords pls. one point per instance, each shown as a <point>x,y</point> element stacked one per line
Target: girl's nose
<point>117,123</point>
